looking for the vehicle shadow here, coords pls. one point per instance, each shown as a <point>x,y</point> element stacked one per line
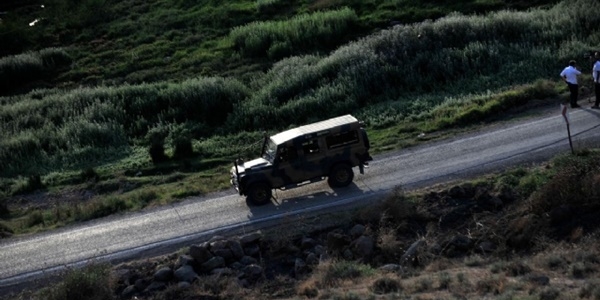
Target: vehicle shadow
<point>288,202</point>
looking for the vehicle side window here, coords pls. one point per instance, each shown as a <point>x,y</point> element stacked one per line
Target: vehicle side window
<point>310,147</point>
<point>287,153</point>
<point>342,139</point>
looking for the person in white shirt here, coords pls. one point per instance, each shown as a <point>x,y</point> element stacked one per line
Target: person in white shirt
<point>596,76</point>
<point>569,75</point>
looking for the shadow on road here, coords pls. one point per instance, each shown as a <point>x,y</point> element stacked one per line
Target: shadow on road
<point>282,203</point>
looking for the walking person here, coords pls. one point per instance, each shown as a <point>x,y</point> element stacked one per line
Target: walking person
<point>569,75</point>
<point>596,76</point>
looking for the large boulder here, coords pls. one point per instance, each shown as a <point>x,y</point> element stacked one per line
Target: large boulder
<point>186,273</point>
<point>213,263</point>
<point>163,274</point>
<point>200,253</point>
<point>357,230</point>
<point>250,238</point>
<point>363,246</point>
<point>236,248</point>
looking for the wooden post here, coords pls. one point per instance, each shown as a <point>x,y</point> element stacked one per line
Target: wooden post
<point>565,114</point>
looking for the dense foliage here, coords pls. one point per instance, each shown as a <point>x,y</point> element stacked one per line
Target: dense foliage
<point>410,69</point>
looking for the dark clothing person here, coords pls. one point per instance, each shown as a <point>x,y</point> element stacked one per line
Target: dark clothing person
<point>596,76</point>
<point>569,75</point>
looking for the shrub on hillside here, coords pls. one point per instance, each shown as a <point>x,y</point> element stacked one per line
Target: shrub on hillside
<point>92,282</point>
<point>156,140</point>
<point>320,30</point>
<point>576,182</point>
<point>180,137</point>
<point>21,69</point>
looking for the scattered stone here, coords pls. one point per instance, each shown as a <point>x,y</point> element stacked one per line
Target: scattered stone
<point>538,279</point>
<point>348,255</point>
<point>185,260</point>
<point>222,271</point>
<point>216,238</point>
<point>252,250</point>
<point>155,286</point>
<point>363,246</point>
<point>486,247</point>
<point>561,214</point>
<point>140,284</point>
<point>237,265</point>
<point>200,253</point>
<point>336,242</point>
<point>248,260</point>
<point>456,192</point>
<point>357,230</point>
<point>186,273</point>
<point>183,285</point>
<point>129,292</point>
<point>411,255</point>
<point>213,263</point>
<point>461,242</point>
<point>253,272</point>
<point>391,268</point>
<point>300,267</point>
<point>218,245</point>
<point>307,243</point>
<point>312,259</point>
<point>164,274</point>
<point>236,248</point>
<point>319,250</point>
<point>227,254</point>
<point>250,238</point>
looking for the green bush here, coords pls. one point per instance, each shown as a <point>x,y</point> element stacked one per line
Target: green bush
<point>34,218</point>
<point>344,270</point>
<point>574,182</point>
<point>21,69</point>
<point>386,285</point>
<point>91,282</point>
<point>101,208</point>
<point>319,30</point>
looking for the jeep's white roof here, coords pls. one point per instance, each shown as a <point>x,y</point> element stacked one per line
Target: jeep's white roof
<point>291,134</point>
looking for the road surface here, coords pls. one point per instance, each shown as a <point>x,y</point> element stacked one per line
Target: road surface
<point>164,229</point>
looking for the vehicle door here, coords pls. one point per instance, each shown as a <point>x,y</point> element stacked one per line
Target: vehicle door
<point>288,165</point>
<point>313,153</point>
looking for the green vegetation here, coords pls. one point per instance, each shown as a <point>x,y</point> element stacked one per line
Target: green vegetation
<point>91,282</point>
<point>304,33</point>
<point>142,91</point>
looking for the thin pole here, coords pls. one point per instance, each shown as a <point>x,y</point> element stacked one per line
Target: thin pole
<point>570,141</point>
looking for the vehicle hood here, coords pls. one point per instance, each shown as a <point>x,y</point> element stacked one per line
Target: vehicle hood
<point>253,164</point>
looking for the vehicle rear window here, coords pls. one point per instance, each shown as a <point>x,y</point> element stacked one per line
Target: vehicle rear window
<point>342,139</point>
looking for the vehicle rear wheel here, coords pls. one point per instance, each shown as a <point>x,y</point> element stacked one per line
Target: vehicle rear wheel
<point>259,194</point>
<point>340,176</point>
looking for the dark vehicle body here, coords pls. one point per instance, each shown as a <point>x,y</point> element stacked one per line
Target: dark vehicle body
<point>327,149</point>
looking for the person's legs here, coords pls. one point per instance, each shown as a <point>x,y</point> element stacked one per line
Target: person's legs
<point>574,89</point>
<point>597,90</point>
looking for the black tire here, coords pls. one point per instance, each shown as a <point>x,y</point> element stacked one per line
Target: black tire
<point>341,175</point>
<point>259,194</point>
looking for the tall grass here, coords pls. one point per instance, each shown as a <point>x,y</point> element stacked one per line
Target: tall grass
<point>277,39</point>
<point>18,70</point>
<point>454,55</point>
<point>108,117</point>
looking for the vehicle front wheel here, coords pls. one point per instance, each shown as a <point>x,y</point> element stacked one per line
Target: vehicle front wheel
<point>259,194</point>
<point>340,176</point>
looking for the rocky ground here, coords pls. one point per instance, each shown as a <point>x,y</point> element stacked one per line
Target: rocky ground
<point>467,241</point>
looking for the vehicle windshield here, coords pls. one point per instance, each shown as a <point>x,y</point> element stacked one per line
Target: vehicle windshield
<point>270,150</point>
